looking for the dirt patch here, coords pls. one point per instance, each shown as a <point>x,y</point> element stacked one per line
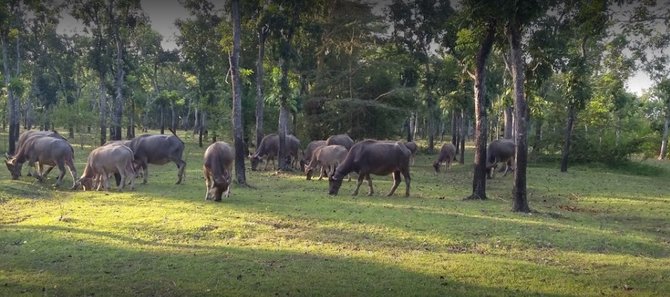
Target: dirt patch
<point>573,208</point>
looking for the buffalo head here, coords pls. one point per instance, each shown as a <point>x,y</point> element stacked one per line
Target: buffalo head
<point>334,185</point>
<point>220,187</point>
<point>255,160</point>
<point>13,168</point>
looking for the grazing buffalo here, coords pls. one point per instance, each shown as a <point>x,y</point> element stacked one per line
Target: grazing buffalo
<point>413,148</point>
<point>373,157</point>
<point>217,168</point>
<point>158,150</point>
<point>341,139</point>
<point>500,150</point>
<point>328,157</point>
<point>103,161</point>
<point>269,148</point>
<point>309,150</point>
<point>41,151</point>
<point>34,133</point>
<point>447,155</point>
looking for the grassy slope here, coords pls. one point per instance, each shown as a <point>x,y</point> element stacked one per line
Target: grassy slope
<point>595,231</point>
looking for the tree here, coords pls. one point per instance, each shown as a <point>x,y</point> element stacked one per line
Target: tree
<point>93,15</point>
<point>520,13</point>
<point>199,40</point>
<point>238,129</point>
<point>586,28</point>
<point>10,28</point>
<point>649,29</point>
<point>662,92</point>
<point>416,26</point>
<point>288,17</point>
<point>483,19</point>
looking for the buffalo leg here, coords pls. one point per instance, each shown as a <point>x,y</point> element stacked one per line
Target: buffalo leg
<point>207,183</point>
<point>61,174</point>
<point>117,178</point>
<point>396,182</point>
<point>44,175</point>
<point>181,166</point>
<point>367,177</point>
<point>405,174</point>
<point>323,171</point>
<point>38,169</point>
<point>73,173</point>
<point>358,184</point>
<point>145,168</point>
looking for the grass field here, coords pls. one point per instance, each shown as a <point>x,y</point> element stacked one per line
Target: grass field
<point>594,231</point>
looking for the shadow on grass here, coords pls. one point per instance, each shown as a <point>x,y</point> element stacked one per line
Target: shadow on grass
<point>48,264</point>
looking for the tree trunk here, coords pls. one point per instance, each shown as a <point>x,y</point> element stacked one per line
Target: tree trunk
<point>519,190</point>
<point>284,112</point>
<point>461,132</point>
<point>12,101</point>
<point>407,128</point>
<point>509,125</point>
<point>411,134</point>
<point>117,115</point>
<point>196,121</point>
<point>568,137</point>
<point>130,134</point>
<point>481,117</point>
<point>238,129</point>
<point>173,121</point>
<point>457,131</point>
<point>432,117</point>
<point>283,116</point>
<point>538,135</point>
<point>162,119</point>
<point>102,93</point>
<point>664,141</point>
<point>454,129</point>
<point>201,127</point>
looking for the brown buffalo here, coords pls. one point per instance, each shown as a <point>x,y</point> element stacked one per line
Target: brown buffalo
<point>269,148</point>
<point>34,133</point>
<point>217,168</point>
<point>309,150</point>
<point>158,150</point>
<point>447,155</point>
<point>328,157</point>
<point>413,148</point>
<point>500,150</point>
<point>43,151</point>
<point>373,157</point>
<point>341,139</point>
<point>104,161</point>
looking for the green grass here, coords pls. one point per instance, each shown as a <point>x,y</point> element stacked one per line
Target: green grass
<point>594,231</point>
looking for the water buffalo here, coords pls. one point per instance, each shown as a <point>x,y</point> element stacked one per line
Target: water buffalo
<point>41,151</point>
<point>341,139</point>
<point>373,157</point>
<point>413,148</point>
<point>500,150</point>
<point>136,167</point>
<point>328,157</point>
<point>158,150</point>
<point>309,150</point>
<point>108,159</point>
<point>34,133</point>
<point>269,148</point>
<point>217,168</point>
<point>447,155</point>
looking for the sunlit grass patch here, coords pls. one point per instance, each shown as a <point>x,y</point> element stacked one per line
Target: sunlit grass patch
<point>592,232</point>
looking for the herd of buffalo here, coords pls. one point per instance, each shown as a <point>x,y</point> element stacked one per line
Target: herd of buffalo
<point>336,158</point>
